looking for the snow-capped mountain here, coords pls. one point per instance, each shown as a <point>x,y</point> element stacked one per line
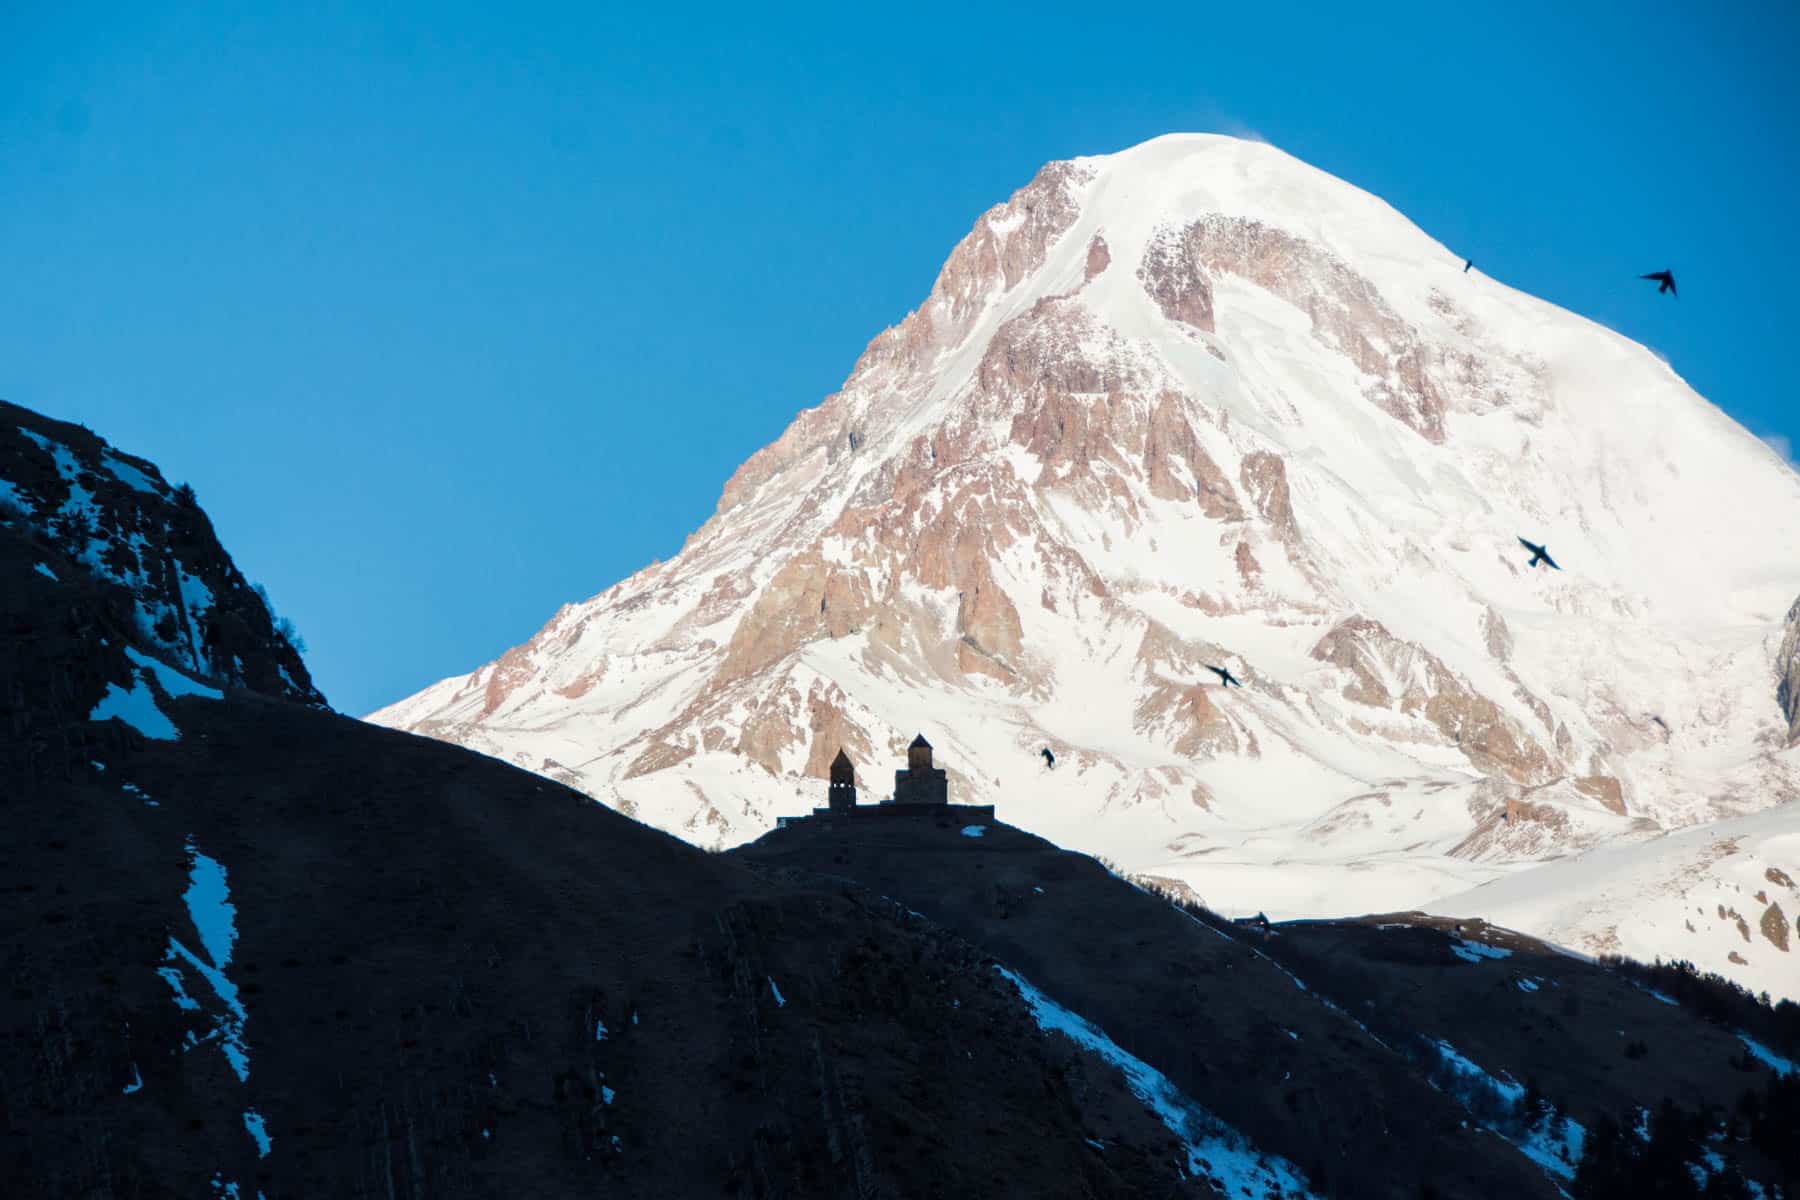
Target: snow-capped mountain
<point>1195,404</point>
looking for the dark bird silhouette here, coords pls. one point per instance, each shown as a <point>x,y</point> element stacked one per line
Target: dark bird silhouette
<point>1667,281</point>
<point>1226,678</point>
<point>1049,758</point>
<point>1467,263</point>
<point>1538,555</point>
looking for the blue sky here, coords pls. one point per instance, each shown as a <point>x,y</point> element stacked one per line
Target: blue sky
<point>454,313</point>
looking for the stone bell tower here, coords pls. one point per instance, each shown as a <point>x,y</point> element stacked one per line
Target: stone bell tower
<point>921,783</point>
<point>843,782</point>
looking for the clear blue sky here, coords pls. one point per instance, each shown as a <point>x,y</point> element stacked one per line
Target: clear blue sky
<point>454,313</point>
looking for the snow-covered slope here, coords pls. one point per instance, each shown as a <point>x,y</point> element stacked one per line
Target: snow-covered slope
<point>1723,896</point>
<point>1198,403</point>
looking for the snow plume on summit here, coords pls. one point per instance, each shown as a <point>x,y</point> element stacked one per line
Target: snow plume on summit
<point>1198,404</point>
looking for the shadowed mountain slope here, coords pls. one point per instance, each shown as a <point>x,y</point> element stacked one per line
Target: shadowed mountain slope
<point>255,948</point>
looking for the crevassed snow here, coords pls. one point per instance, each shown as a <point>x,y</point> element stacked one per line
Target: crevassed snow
<point>1527,985</point>
<point>776,992</point>
<point>600,1030</point>
<point>137,1081</point>
<point>1770,1059</point>
<point>973,831</point>
<point>607,1094</point>
<point>1214,1149</point>
<point>46,572</point>
<point>253,1122</point>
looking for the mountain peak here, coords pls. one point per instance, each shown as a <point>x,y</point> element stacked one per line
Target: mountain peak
<point>1191,403</point>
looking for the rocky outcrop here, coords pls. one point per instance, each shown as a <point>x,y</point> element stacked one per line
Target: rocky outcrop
<point>1180,714</point>
<point>1787,675</point>
<point>1173,275</point>
<point>1264,476</point>
<point>1495,635</point>
<point>1346,310</point>
<point>1774,925</point>
<point>1604,788</point>
<point>1380,665</point>
<point>1008,243</point>
<point>1099,257</point>
<point>807,599</point>
<point>1179,469</point>
<point>104,520</point>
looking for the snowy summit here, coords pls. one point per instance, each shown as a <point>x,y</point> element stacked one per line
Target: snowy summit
<point>1193,405</point>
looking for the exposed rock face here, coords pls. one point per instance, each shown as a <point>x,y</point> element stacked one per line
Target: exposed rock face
<point>1475,725</point>
<point>1099,257</point>
<point>1346,310</point>
<point>1178,467</point>
<point>1008,243</point>
<point>1290,438</point>
<point>1496,635</point>
<point>1787,675</point>
<point>1264,477</point>
<point>807,599</point>
<point>1775,927</point>
<point>1605,789</point>
<point>100,515</point>
<point>1173,275</point>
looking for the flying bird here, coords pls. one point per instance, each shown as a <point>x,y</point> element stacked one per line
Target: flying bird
<point>1226,678</point>
<point>1538,555</point>
<point>1049,758</point>
<point>1667,281</point>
